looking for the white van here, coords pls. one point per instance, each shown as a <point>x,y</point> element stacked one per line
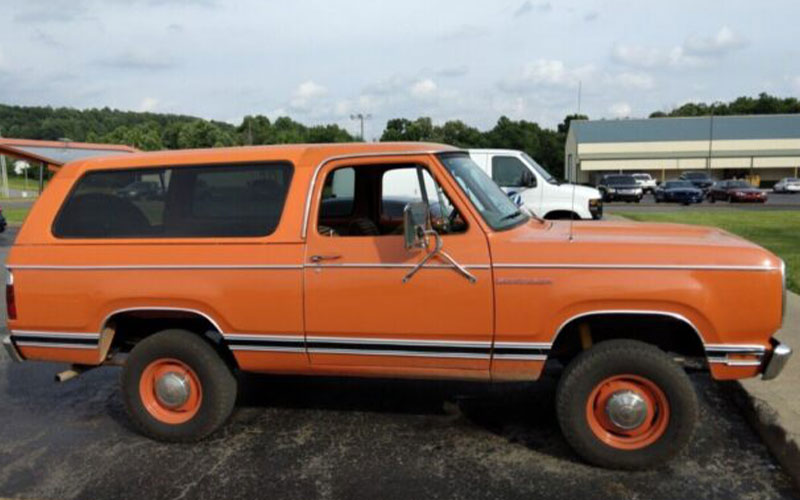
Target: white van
<point>533,187</point>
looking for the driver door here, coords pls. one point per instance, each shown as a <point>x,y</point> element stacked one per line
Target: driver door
<point>358,311</point>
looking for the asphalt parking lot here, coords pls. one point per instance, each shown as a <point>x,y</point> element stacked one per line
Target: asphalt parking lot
<point>304,438</point>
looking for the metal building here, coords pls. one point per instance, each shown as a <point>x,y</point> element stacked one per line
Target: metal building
<point>763,147</point>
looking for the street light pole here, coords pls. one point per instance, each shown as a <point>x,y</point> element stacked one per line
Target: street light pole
<point>361,117</point>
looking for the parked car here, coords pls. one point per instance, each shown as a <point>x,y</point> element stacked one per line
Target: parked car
<point>700,179</point>
<point>787,185</point>
<point>679,192</point>
<point>3,222</point>
<point>620,187</point>
<point>140,190</point>
<point>533,187</point>
<point>646,182</point>
<point>736,191</point>
<point>185,294</point>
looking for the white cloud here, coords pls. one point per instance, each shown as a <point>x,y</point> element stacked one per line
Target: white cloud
<point>620,109</point>
<point>423,88</point>
<point>796,83</point>
<point>305,93</point>
<point>2,60</point>
<point>725,40</point>
<point>529,6</point>
<point>694,52</point>
<point>548,73</point>
<point>462,32</point>
<point>148,104</point>
<point>635,81</point>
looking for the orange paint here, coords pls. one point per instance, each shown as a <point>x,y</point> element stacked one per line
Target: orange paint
<point>531,279</point>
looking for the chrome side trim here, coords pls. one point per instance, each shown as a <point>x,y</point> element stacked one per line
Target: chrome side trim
<point>257,336</point>
<point>630,311</point>
<point>392,266</point>
<point>25,343</point>
<point>56,335</point>
<point>754,349</point>
<point>734,362</point>
<point>521,357</point>
<point>153,267</point>
<point>300,350</point>
<point>161,308</point>
<point>315,174</point>
<point>373,341</point>
<point>399,352</point>
<point>662,267</point>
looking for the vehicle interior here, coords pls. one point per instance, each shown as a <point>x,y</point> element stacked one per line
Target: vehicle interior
<point>369,200</point>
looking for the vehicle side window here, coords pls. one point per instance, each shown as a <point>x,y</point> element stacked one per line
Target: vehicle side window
<point>350,205</point>
<point>508,171</point>
<point>337,193</point>
<point>208,201</point>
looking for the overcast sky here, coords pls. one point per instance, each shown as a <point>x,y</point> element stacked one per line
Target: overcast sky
<point>320,61</point>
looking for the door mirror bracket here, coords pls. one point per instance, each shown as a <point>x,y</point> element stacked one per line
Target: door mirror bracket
<point>416,220</point>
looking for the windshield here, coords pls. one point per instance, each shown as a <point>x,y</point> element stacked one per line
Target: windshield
<point>540,169</point>
<point>678,184</point>
<point>643,177</point>
<point>494,205</point>
<point>698,176</point>
<point>738,184</point>
<point>620,180</point>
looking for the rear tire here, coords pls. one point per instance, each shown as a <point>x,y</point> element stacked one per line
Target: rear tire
<point>205,387</point>
<point>615,369</point>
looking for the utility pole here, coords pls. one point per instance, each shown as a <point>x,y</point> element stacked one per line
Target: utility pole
<point>580,85</point>
<point>4,174</point>
<point>361,117</point>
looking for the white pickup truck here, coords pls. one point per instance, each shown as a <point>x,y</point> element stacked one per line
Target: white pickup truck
<point>533,187</point>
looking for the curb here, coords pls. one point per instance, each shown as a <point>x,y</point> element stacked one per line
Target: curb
<point>767,423</point>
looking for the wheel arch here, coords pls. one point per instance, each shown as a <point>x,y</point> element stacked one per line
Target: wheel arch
<point>666,329</point>
<point>122,328</point>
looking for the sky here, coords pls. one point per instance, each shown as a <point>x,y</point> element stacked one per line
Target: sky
<point>323,61</point>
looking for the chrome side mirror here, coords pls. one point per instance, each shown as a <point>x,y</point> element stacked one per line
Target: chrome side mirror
<point>416,222</point>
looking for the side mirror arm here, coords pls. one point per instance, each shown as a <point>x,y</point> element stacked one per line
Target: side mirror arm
<point>437,250</point>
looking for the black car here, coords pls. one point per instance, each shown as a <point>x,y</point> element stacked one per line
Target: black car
<point>2,221</point>
<point>736,190</point>
<point>700,179</point>
<point>140,190</point>
<point>679,192</point>
<point>620,187</point>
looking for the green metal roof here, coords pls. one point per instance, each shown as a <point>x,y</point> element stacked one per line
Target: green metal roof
<point>688,129</point>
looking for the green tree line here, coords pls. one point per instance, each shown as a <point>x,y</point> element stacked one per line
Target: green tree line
<point>154,131</point>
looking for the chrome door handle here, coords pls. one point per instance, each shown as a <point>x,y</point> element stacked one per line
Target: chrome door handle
<point>319,258</point>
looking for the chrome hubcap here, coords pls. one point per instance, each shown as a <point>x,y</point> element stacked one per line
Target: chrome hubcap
<point>626,409</point>
<point>172,390</point>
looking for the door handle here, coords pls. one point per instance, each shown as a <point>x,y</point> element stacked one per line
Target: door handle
<point>319,258</point>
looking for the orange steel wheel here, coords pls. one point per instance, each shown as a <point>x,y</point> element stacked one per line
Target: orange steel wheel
<point>627,412</point>
<point>170,391</point>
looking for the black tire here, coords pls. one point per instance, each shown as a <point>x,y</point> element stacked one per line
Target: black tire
<point>219,386</point>
<point>625,357</point>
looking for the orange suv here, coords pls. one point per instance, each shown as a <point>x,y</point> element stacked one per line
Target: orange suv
<point>379,260</point>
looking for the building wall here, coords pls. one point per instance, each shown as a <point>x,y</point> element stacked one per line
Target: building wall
<point>771,159</point>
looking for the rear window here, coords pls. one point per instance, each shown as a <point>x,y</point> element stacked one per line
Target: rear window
<point>185,202</point>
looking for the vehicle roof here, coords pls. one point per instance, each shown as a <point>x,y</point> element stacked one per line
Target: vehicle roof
<point>494,151</point>
<point>301,155</point>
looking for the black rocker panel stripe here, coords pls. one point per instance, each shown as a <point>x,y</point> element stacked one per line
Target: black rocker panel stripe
<point>398,347</point>
<point>55,340</point>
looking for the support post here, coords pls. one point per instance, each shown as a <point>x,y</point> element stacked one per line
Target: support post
<point>41,177</point>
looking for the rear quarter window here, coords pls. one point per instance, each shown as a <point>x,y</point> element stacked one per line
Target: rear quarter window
<point>182,202</point>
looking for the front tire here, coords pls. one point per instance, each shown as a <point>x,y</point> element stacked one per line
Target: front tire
<point>176,387</point>
<point>624,404</point>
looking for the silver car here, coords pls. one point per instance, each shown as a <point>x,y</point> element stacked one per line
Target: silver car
<point>787,185</point>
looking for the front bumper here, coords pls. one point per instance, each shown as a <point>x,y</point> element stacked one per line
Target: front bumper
<point>11,348</point>
<point>777,360</point>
